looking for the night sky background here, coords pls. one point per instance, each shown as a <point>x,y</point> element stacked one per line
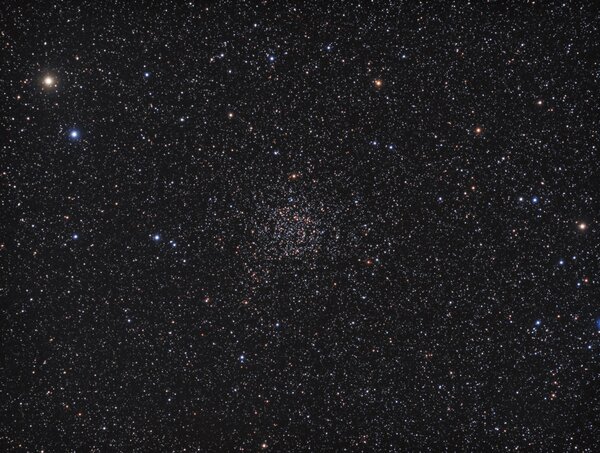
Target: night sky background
<point>300,226</point>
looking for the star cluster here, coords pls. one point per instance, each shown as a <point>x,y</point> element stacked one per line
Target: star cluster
<point>300,226</point>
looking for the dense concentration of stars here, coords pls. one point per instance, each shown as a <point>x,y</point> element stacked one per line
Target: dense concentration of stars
<point>300,226</point>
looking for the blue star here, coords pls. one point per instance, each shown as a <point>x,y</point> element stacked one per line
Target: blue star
<point>561,262</point>
<point>146,74</point>
<point>156,237</point>
<point>271,58</point>
<point>538,322</point>
<point>75,236</point>
<point>535,200</point>
<point>74,134</point>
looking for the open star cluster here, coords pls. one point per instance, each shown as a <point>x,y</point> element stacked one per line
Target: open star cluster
<point>300,226</point>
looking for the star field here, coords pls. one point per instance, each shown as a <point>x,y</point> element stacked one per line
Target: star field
<point>300,226</point>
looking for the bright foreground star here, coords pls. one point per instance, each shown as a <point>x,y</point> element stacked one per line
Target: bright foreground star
<point>48,81</point>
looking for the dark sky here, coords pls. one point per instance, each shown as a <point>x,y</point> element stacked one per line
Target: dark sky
<point>300,226</point>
